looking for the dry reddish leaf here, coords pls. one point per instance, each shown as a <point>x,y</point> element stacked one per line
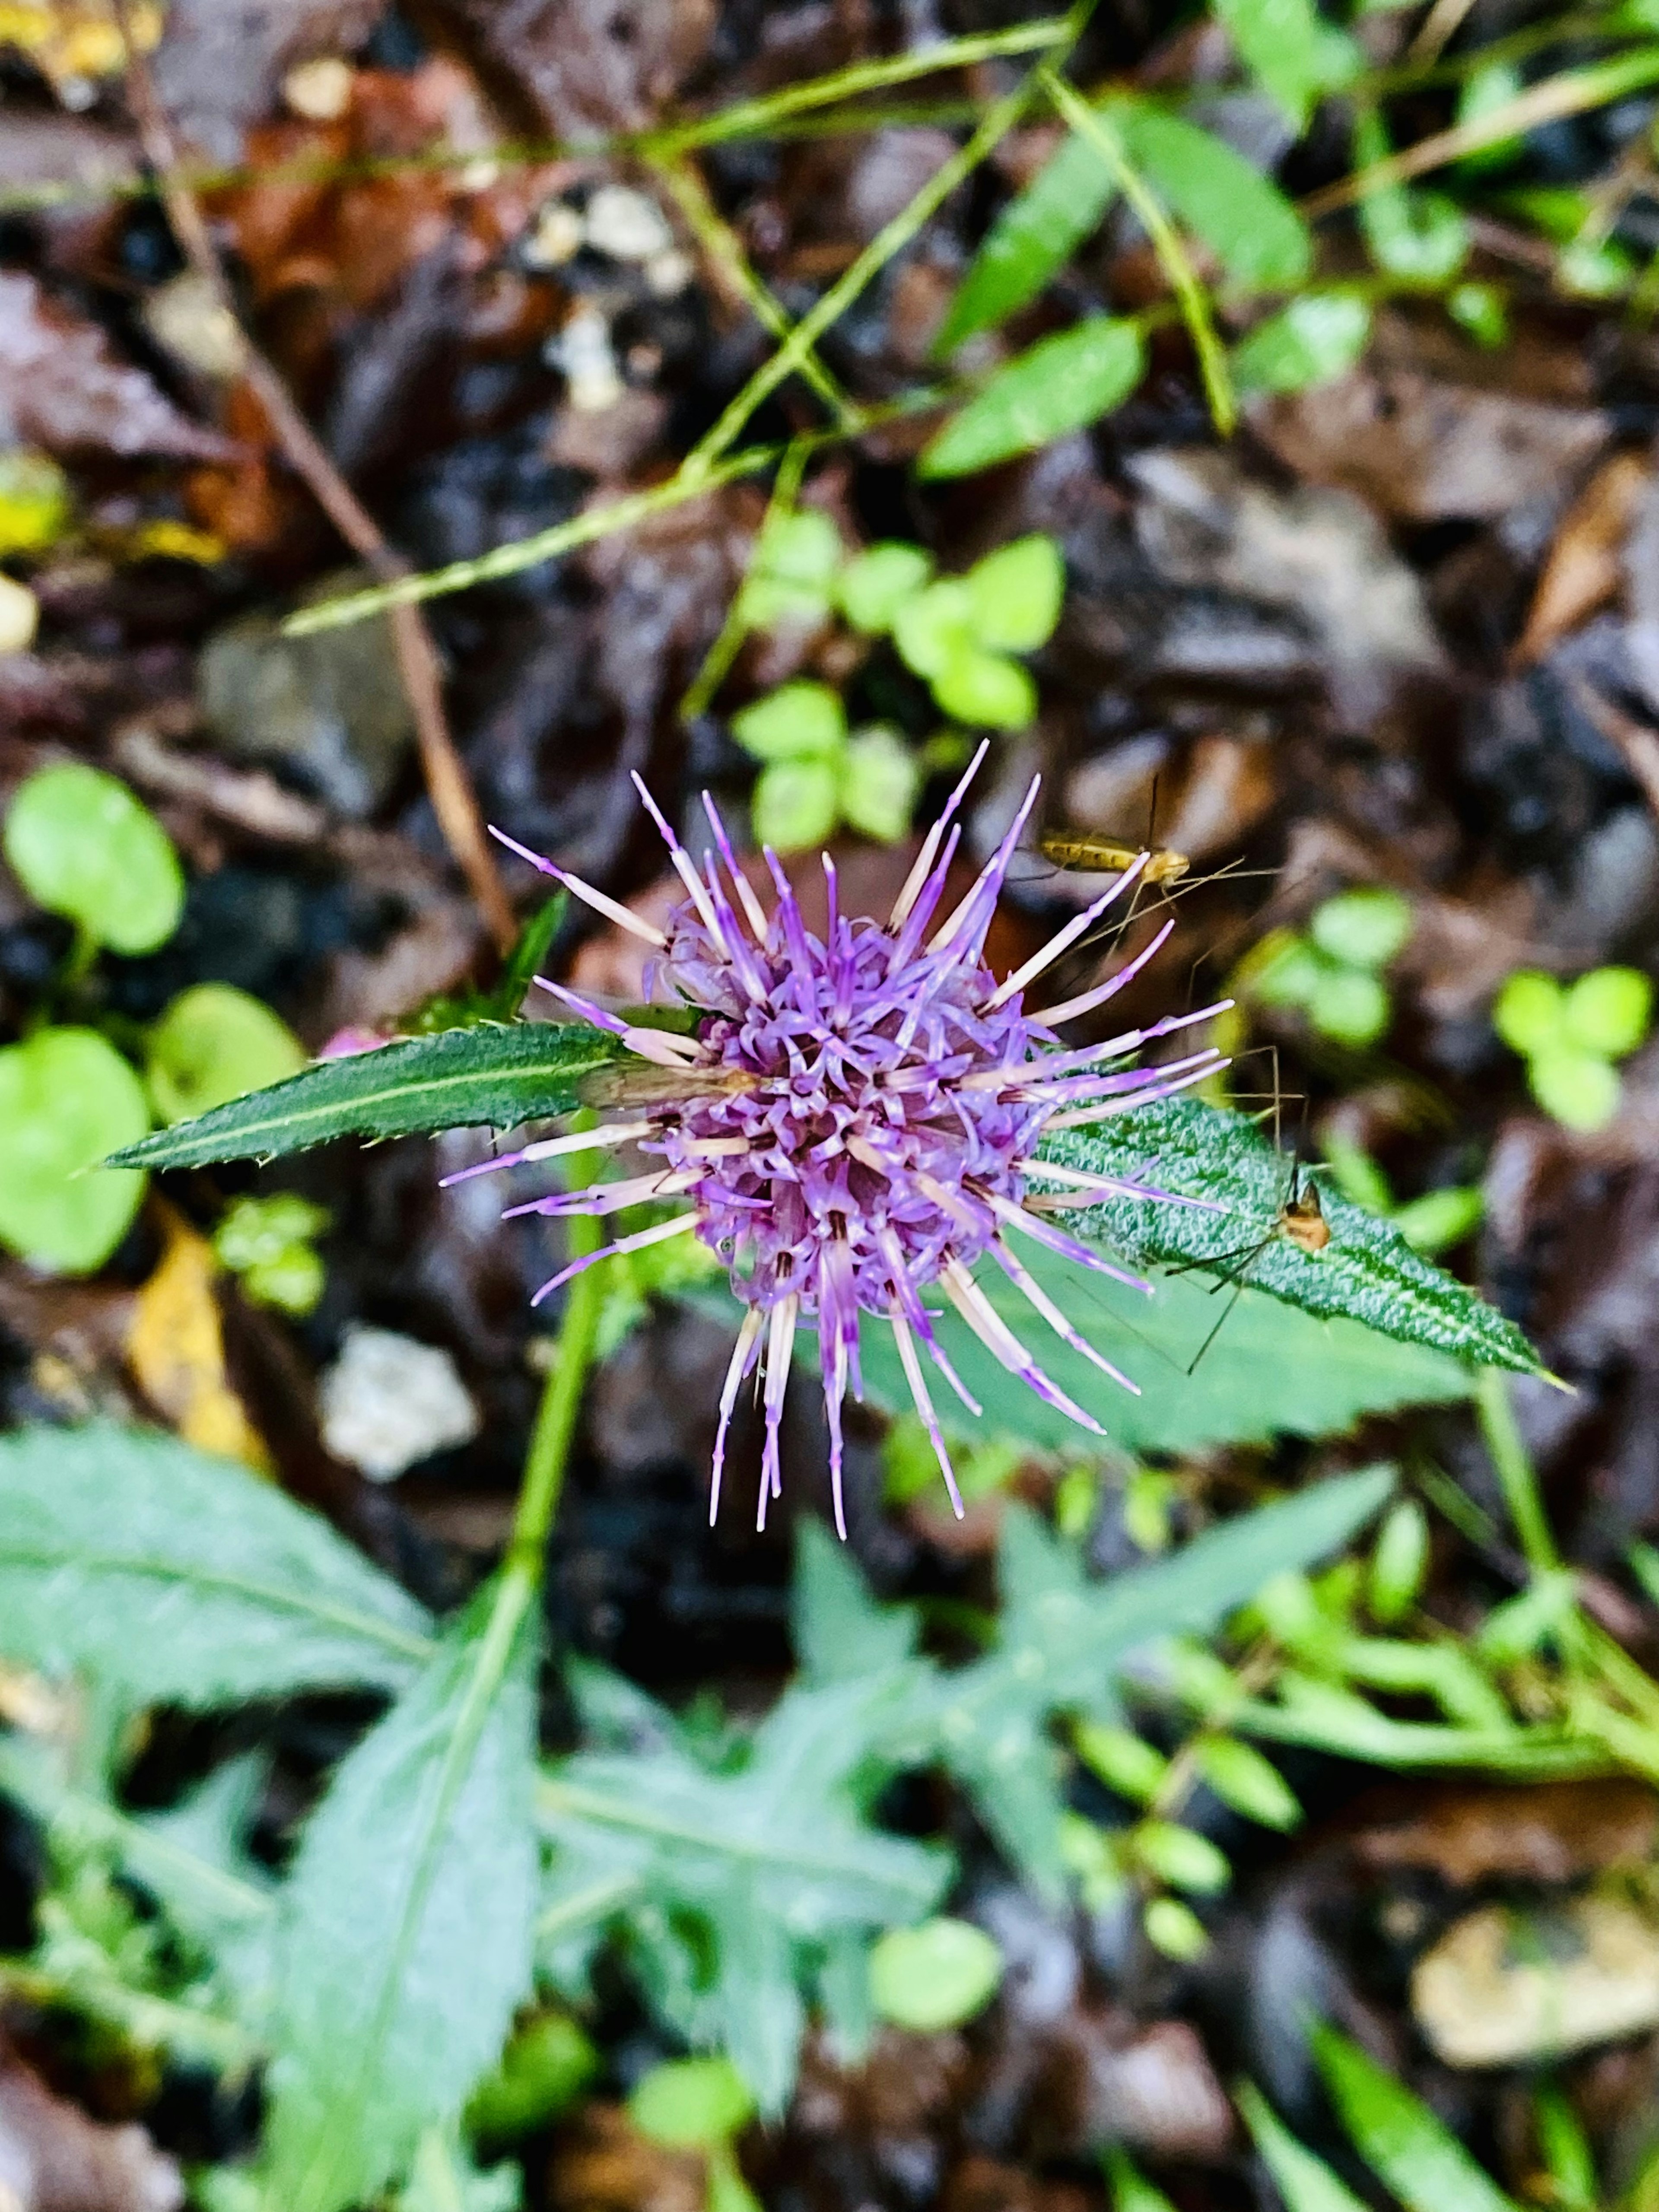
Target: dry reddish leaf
<point>54,2159</point>
<point>62,386</point>
<point>1422,451</point>
<point>1542,1831</point>
<point>1584,570</point>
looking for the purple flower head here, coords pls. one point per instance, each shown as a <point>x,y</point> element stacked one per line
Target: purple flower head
<point>856,1120</point>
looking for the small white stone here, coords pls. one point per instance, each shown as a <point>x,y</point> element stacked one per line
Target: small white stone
<point>19,616</point>
<point>626,225</point>
<point>319,90</point>
<point>388,1402</point>
<point>669,272</point>
<point>558,235</point>
<point>187,319</point>
<point>583,351</point>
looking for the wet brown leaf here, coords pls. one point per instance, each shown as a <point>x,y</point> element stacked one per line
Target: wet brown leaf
<point>581,65</point>
<point>1547,1832</point>
<point>64,386</point>
<point>1584,571</point>
<point>603,2164</point>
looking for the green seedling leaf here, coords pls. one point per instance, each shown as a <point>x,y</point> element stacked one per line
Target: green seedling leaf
<point>789,584</point>
<point>1182,1858</point>
<point>1580,1089</point>
<point>1568,2158</point>
<point>1033,237</point>
<point>1364,928</point>
<point>1530,1012</point>
<point>35,502</point>
<point>983,688</point>
<point>1131,2191</point>
<point>1016,594</point>
<point>1414,2153</point>
<point>1175,1929</point>
<point>872,588</point>
<point>1252,1785</point>
<point>1440,1218</point>
<point>82,845</point>
<point>1318,336</point>
<point>797,804</point>
<point>67,1099</point>
<point>1399,1563</point>
<point>935,627</point>
<point>692,2104</point>
<point>1284,43</point>
<point>1241,216</point>
<point>1482,312</point>
<point>1062,383</point>
<point>1421,236</point>
<point>408,1923</point>
<point>544,2071</point>
<point>880,779</point>
<point>1124,1761</point>
<point>461,1078</point>
<point>1305,2182</point>
<point>935,1976</point>
<point>175,1578</point>
<point>1367,1272</point>
<point>215,1043</point>
<point>737,1882</point>
<point>1608,1010</point>
<point>1349,1007</point>
<point>798,722</point>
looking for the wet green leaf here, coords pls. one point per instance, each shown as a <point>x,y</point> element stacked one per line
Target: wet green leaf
<point>67,1099</point>
<point>81,844</point>
<point>1032,237</point>
<point>933,1976</point>
<point>1062,383</point>
<point>1241,216</point>
<point>215,1043</point>
<point>1412,2151</point>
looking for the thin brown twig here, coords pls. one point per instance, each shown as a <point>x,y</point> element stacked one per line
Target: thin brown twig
<point>447,783</point>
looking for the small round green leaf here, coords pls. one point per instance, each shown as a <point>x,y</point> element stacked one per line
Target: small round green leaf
<point>872,587</point>
<point>797,804</point>
<point>215,1043</point>
<point>1017,593</point>
<point>1580,1089</point>
<point>67,1100</point>
<point>544,2068</point>
<point>1398,1561</point>
<point>1124,1761</point>
<point>1316,338</point>
<point>798,721</point>
<point>1182,1857</point>
<point>34,500</point>
<point>1422,235</point>
<point>934,1976</point>
<point>1252,1785</point>
<point>935,626</point>
<point>1482,311</point>
<point>1530,1012</point>
<point>880,779</point>
<point>789,581</point>
<point>1285,973</point>
<point>691,2104</point>
<point>1365,928</point>
<point>1175,1929</point>
<point>985,689</point>
<point>1060,384</point>
<point>81,843</point>
<point>1608,1010</point>
<point>1349,1007</point>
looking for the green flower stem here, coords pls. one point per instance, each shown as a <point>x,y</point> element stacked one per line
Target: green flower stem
<point>1519,1483</point>
<point>1166,243</point>
<point>555,1417</point>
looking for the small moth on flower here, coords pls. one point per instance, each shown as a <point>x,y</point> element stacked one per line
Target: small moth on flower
<point>856,1120</point>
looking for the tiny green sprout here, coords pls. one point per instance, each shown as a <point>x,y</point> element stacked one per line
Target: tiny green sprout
<point>1181,1856</point>
<point>699,2104</point>
<point>214,1043</point>
<point>35,502</point>
<point>1175,1929</point>
<point>1149,1497</point>
<point>83,847</point>
<point>1247,1782</point>
<point>880,780</point>
<point>874,585</point>
<point>1123,1761</point>
<point>1570,1037</point>
<point>1077,1497</point>
<point>267,1241</point>
<point>934,1976</point>
<point>544,2069</point>
<point>1131,2191</point>
<point>798,721</point>
<point>67,1101</point>
<point>792,578</point>
<point>816,776</point>
<point>1482,311</point>
<point>1017,593</point>
<point>1568,2159</point>
<point>1400,1560</point>
<point>1332,974</point>
<point>958,633</point>
<point>1429,1224</point>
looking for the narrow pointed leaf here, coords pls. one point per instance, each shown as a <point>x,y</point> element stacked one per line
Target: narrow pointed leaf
<point>1241,216</point>
<point>1412,2151</point>
<point>1033,237</point>
<point>480,1075</point>
<point>174,1577</point>
<point>1302,2179</point>
<point>409,1921</point>
<point>1060,384</point>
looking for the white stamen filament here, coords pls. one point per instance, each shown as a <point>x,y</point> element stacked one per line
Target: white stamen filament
<point>612,909</point>
<point>924,1404</point>
<point>948,928</point>
<point>923,866</point>
<point>657,1235</point>
<point>995,1333</point>
<point>553,1148</point>
<point>1066,937</point>
<point>1028,1286</point>
<point>742,1352</point>
<point>661,1047</point>
<point>780,1344</point>
<point>683,869</point>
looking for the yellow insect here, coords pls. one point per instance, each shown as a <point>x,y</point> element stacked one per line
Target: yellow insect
<point>1105,856</point>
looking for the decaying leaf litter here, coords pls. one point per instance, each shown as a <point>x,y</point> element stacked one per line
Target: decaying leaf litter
<point>787,339</point>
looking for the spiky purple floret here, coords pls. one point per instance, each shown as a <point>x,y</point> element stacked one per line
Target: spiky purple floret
<point>859,1118</point>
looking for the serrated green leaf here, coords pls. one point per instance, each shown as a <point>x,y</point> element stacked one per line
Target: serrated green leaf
<point>839,1632</point>
<point>1269,1370</point>
<point>174,1578</point>
<point>464,1077</point>
<point>773,1862</point>
<point>1060,384</point>
<point>1367,1272</point>
<point>1305,2182</point>
<point>408,1921</point>
<point>1032,237</point>
<point>1413,2150</point>
<point>1240,214</point>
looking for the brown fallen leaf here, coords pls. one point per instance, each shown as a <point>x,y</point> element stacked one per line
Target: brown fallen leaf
<point>575,66</point>
<point>64,386</point>
<point>602,2163</point>
<point>54,2159</point>
<point>1541,1832</point>
<point>1584,571</point>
